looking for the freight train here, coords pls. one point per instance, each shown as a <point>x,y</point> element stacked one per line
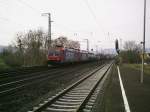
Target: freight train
<point>61,55</point>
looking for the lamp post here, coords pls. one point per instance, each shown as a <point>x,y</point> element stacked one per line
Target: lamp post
<point>143,42</point>
<point>87,44</point>
<point>101,47</point>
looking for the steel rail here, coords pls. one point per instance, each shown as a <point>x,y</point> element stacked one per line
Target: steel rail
<point>50,101</point>
<point>23,71</point>
<point>89,95</point>
<point>44,77</point>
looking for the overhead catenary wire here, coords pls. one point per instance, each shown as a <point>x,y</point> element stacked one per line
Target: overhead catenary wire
<point>26,4</point>
<point>75,32</point>
<point>93,15</point>
<point>2,1</point>
<point>11,21</point>
<point>23,2</point>
<point>97,22</point>
<point>29,6</point>
<point>39,13</point>
<point>4,19</point>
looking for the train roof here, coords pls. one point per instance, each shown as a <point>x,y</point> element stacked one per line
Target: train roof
<point>71,49</point>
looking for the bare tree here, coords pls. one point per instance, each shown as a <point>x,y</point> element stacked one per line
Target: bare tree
<point>131,52</point>
<point>132,46</point>
<point>34,47</point>
<point>63,41</point>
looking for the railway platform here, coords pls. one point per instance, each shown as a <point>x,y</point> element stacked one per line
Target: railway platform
<point>138,95</point>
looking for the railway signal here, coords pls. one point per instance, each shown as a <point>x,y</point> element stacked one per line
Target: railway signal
<point>87,44</point>
<point>117,46</point>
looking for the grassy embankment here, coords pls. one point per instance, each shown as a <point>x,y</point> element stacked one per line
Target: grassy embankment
<point>138,67</point>
<point>3,66</point>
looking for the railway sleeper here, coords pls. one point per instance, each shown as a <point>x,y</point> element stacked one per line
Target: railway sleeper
<point>86,110</point>
<point>66,103</point>
<point>63,106</point>
<point>76,95</point>
<point>70,100</point>
<point>66,97</point>
<point>58,110</point>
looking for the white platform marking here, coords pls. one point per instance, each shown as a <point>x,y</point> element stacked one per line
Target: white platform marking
<point>126,105</point>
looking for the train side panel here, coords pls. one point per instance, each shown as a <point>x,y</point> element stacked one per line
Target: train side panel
<point>84,56</point>
<point>63,55</point>
<point>68,56</point>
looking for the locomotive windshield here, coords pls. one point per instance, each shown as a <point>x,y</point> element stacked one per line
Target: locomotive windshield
<point>54,53</point>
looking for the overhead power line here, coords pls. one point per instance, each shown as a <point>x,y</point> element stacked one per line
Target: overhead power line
<point>2,1</point>
<point>8,20</point>
<point>91,10</point>
<point>93,15</point>
<point>4,19</point>
<point>29,6</point>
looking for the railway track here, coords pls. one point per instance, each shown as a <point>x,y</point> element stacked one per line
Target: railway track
<point>12,86</point>
<point>20,73</point>
<point>23,71</point>
<point>79,96</point>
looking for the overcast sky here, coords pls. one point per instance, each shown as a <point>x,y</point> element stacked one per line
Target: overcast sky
<point>77,19</point>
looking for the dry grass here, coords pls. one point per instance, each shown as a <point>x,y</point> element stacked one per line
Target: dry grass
<point>138,67</point>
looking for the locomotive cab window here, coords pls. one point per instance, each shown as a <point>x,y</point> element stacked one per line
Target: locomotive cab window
<point>54,53</point>
<point>50,53</point>
<point>57,53</point>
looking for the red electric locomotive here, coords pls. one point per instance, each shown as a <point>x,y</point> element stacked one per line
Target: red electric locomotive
<point>60,55</point>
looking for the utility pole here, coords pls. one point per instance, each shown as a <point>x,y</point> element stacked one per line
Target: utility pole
<point>49,28</point>
<point>96,49</point>
<point>120,43</point>
<point>87,44</point>
<point>20,45</point>
<point>100,47</point>
<point>143,42</point>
